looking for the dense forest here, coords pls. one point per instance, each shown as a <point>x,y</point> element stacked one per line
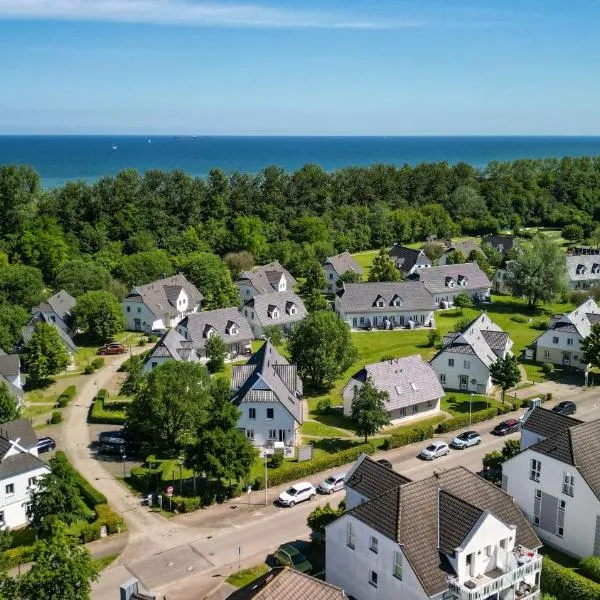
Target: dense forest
<point>134,228</point>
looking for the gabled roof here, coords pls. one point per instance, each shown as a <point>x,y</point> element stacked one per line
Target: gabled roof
<point>547,423</point>
<point>481,338</point>
<point>21,430</point>
<point>61,303</point>
<point>221,321</point>
<point>579,320</point>
<point>15,391</point>
<point>263,306</point>
<point>407,381</point>
<point>466,247</point>
<point>583,267</point>
<point>370,479</point>
<point>283,583</point>
<point>361,297</point>
<point>457,519</point>
<point>436,278</point>
<point>409,514</point>
<point>406,258</point>
<point>27,331</point>
<point>264,279</point>
<point>160,296</point>
<point>343,262</point>
<point>503,242</point>
<point>23,462</point>
<point>578,446</point>
<point>268,377</point>
<point>172,345</point>
<point>10,365</point>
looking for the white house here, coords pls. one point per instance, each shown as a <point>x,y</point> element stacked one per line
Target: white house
<point>385,305</point>
<point>561,342</point>
<point>451,536</point>
<point>448,281</point>
<point>556,483</point>
<point>539,424</point>
<point>464,360</point>
<point>171,346</point>
<point>268,392</point>
<point>160,304</point>
<point>10,375</point>
<point>409,260</point>
<point>411,384</point>
<point>58,310</point>
<point>583,270</point>
<point>278,309</point>
<point>265,279</point>
<point>335,266</point>
<point>20,469</point>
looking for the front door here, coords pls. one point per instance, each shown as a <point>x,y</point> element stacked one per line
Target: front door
<point>281,435</point>
<point>464,382</point>
<point>566,358</point>
<point>137,324</point>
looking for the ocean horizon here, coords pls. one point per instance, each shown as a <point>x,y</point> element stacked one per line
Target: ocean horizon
<point>62,158</point>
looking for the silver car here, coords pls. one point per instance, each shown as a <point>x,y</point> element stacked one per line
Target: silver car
<point>334,483</point>
<point>436,449</point>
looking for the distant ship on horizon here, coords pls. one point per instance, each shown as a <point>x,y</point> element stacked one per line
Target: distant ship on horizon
<point>185,137</point>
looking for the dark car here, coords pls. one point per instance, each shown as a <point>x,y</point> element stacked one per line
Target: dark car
<point>111,442</point>
<point>385,463</point>
<point>111,349</point>
<point>565,408</point>
<point>506,427</point>
<point>45,444</point>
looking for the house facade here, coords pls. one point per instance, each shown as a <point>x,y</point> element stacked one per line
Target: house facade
<point>583,271</point>
<point>20,470</point>
<point>268,392</point>
<point>555,482</point>
<point>335,266</point>
<point>560,344</point>
<point>57,310</point>
<point>10,375</point>
<point>469,542</point>
<point>411,384</point>
<point>465,357</point>
<point>160,304</point>
<point>385,305</point>
<point>265,279</point>
<point>408,260</point>
<point>278,309</point>
<point>448,281</point>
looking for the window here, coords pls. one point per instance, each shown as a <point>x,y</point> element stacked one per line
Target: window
<point>154,364</point>
<point>467,364</point>
<point>504,543</point>
<point>537,507</point>
<point>429,403</point>
<point>10,489</point>
<point>560,518</point>
<point>569,341</point>
<point>250,434</point>
<point>270,413</point>
<point>350,536</point>
<point>469,559</point>
<point>139,309</point>
<point>568,486</point>
<point>31,481</point>
<point>252,413</point>
<point>415,409</point>
<point>450,362</point>
<point>1,517</point>
<point>373,545</point>
<point>488,551</point>
<point>546,353</point>
<point>362,320</point>
<point>373,579</point>
<point>330,276</point>
<point>128,308</point>
<point>272,434</point>
<point>536,470</point>
<point>398,565</point>
<point>442,378</point>
<point>555,339</point>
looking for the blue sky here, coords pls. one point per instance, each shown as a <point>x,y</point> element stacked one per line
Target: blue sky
<point>356,67</point>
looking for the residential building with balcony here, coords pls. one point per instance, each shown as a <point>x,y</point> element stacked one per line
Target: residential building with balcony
<point>451,536</point>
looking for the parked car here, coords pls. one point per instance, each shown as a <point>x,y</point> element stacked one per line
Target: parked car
<point>45,444</point>
<point>385,463</point>
<point>465,440</point>
<point>334,483</point>
<point>111,349</point>
<point>436,449</point>
<point>111,442</point>
<point>159,332</point>
<point>289,556</point>
<point>297,493</point>
<point>565,408</point>
<point>506,427</point>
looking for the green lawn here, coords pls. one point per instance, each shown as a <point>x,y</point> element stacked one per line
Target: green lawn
<point>242,578</point>
<point>313,428</point>
<point>457,403</point>
<point>105,561</point>
<point>365,259</point>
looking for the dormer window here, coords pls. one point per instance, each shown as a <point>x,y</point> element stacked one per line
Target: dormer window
<point>273,312</point>
<point>581,269</point>
<point>396,301</point>
<point>282,284</point>
<point>379,302</point>
<point>232,329</point>
<point>462,280</point>
<point>450,282</point>
<point>208,332</point>
<point>291,308</point>
<point>596,268</point>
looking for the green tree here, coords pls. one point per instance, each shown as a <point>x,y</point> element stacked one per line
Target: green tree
<point>61,570</point>
<point>434,251</point>
<point>21,285</point>
<point>144,267</point>
<point>595,237</point>
<point>456,257</point>
<point>322,516</point>
<point>590,346</point>
<point>573,232</point>
<point>369,413</point>
<point>79,276</point>
<point>433,337</point>
<point>315,301</point>
<point>539,272</point>
<point>314,279</point>
<point>462,301</point>
<point>479,257</point>
<point>505,373</point>
<point>383,268</point>
<point>322,348</point>
<point>8,405</point>
<point>493,460</point>
<point>12,320</point>
<point>99,315</point>
<point>169,406</point>
<point>348,277</point>
<point>239,262</point>
<point>274,334</point>
<point>19,191</point>
<point>44,354</point>
<point>216,351</point>
<point>511,448</point>
<point>248,234</point>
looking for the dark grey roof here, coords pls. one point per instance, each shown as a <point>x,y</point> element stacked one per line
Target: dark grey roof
<point>263,306</point>
<point>583,267</point>
<point>160,296</point>
<point>10,365</point>
<point>343,262</point>
<point>265,278</point>
<point>579,446</point>
<point>21,430</point>
<point>496,340</point>
<point>283,583</point>
<point>547,423</point>
<point>270,380</point>
<point>457,519</point>
<point>27,331</point>
<point>172,345</point>
<point>362,297</point>
<point>222,321</point>
<point>466,247</point>
<point>579,320</point>
<point>15,391</point>
<point>370,479</point>
<point>406,258</point>
<point>22,462</point>
<point>438,279</point>
<point>502,243</point>
<point>61,303</point>
<point>409,514</point>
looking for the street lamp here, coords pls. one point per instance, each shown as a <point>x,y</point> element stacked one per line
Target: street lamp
<point>266,479</point>
<point>470,402</point>
<point>180,475</point>
<point>124,466</point>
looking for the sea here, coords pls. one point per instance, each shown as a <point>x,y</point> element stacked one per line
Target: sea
<point>61,158</point>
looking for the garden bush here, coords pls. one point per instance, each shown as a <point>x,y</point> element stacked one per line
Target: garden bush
<point>324,405</point>
<point>109,518</point>
<point>18,556</point>
<point>89,369</point>
<point>181,504</point>
<point>56,417</point>
<point>142,342</point>
<point>98,362</point>
<point>504,408</point>
<point>276,460</point>
<point>548,396</point>
<point>66,396</point>
<point>463,420</point>
<point>566,584</point>
<point>540,324</point>
<point>107,413</point>
<point>547,368</point>
<point>590,567</point>
<point>90,533</point>
<point>519,318</point>
<point>414,434</point>
<point>102,393</point>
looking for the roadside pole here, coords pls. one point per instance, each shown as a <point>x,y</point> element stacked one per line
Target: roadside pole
<point>266,482</point>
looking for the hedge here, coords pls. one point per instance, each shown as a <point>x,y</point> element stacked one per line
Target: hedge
<point>90,495</point>
<point>464,420</point>
<point>415,434</point>
<point>100,413</point>
<point>66,396</point>
<point>55,418</point>
<point>590,567</point>
<point>566,584</point>
<point>18,556</point>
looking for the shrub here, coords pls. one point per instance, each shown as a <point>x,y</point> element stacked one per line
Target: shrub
<point>324,405</point>
<point>433,337</point>
<point>578,297</point>
<point>107,413</point>
<point>590,567</point>
<point>519,318</point>
<point>504,409</point>
<point>18,556</point>
<point>90,532</point>
<point>463,420</point>
<point>548,396</point>
<point>109,518</point>
<point>142,342</point>
<point>547,368</point>
<point>56,417</point>
<point>102,393</point>
<point>566,584</point>
<point>540,324</point>
<point>183,504</point>
<point>89,369</point>
<point>276,460</point>
<point>152,339</point>
<point>66,396</point>
<point>415,434</point>
<point>90,495</point>
<point>98,362</point>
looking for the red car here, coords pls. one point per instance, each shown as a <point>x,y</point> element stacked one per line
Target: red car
<point>506,427</point>
<point>111,349</point>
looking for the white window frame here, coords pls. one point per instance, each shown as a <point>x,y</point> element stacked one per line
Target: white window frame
<point>442,377</point>
<point>250,434</point>
<point>272,434</point>
<point>9,489</point>
<point>546,353</point>
<point>467,364</point>
<point>373,578</point>
<point>350,536</point>
<point>374,545</point>
<point>568,486</point>
<point>397,570</point>
<point>535,469</point>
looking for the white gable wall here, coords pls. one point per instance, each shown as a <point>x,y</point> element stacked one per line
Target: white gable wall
<point>547,350</point>
<point>282,420</point>
<point>331,276</point>
<point>466,366</point>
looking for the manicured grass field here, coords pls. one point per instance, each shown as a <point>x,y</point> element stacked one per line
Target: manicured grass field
<point>320,430</point>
